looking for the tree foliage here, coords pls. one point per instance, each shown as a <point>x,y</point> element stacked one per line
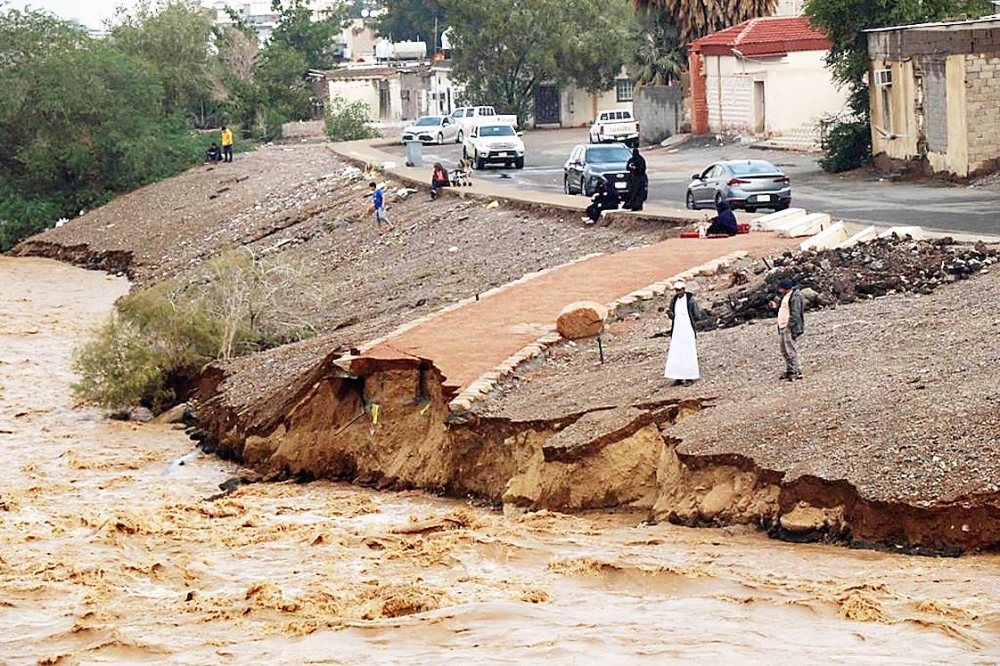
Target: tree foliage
<point>658,57</point>
<point>159,338</point>
<point>844,22</point>
<point>505,49</point>
<point>413,20</point>
<point>697,18</point>
<point>348,121</point>
<point>172,43</point>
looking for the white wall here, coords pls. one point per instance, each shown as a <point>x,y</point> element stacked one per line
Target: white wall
<point>578,108</point>
<point>798,91</point>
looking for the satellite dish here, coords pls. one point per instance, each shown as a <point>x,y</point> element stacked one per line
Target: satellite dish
<point>365,13</point>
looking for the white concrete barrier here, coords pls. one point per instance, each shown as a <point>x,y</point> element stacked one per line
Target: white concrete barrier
<point>865,234</point>
<point>805,226</point>
<point>771,220</point>
<point>916,233</point>
<point>830,237</point>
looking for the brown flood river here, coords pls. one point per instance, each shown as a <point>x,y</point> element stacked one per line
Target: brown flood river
<point>109,552</point>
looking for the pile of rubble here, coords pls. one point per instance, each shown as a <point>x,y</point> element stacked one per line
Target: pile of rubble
<point>866,270</point>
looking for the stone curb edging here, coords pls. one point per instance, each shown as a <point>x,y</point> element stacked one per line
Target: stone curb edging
<point>487,382</point>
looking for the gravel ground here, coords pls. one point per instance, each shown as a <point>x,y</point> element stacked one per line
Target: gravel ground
<point>901,395</point>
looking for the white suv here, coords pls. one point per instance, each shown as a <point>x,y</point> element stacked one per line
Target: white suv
<point>494,144</point>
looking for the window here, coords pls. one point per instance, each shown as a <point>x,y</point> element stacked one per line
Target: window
<point>623,90</point>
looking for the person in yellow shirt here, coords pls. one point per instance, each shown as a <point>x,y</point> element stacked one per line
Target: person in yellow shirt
<point>227,144</point>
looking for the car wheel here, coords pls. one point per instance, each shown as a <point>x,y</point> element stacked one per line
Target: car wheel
<point>440,138</point>
<point>566,189</point>
<point>461,137</point>
<point>519,163</point>
<point>718,199</point>
<point>480,163</point>
<point>751,209</point>
<point>690,201</point>
<point>783,206</point>
<point>590,137</point>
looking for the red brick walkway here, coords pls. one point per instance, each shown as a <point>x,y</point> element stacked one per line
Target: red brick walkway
<point>472,340</point>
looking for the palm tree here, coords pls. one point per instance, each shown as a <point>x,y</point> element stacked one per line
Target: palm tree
<point>659,56</point>
<point>697,18</point>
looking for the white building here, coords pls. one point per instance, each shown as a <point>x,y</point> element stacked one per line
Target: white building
<point>258,13</point>
<point>766,77</point>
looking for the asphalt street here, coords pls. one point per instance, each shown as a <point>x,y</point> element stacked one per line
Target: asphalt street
<point>854,197</point>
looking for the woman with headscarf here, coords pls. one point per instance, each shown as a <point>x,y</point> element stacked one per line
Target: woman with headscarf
<point>638,181</point>
<point>605,198</point>
<point>682,356</point>
<point>725,220</point>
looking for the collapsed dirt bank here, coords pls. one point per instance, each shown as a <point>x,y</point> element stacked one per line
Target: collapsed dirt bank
<point>568,433</point>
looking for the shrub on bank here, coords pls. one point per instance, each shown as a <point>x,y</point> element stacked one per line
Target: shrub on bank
<point>155,343</point>
<point>348,121</point>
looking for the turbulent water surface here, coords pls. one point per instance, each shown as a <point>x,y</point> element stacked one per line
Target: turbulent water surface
<point>111,552</point>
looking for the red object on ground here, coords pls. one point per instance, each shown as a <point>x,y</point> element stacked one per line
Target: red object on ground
<point>742,228</point>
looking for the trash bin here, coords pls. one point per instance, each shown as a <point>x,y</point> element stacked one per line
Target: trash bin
<point>414,153</point>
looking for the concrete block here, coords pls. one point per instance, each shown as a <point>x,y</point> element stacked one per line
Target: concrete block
<point>830,237</point>
<point>866,234</point>
<point>916,233</point>
<point>769,221</point>
<point>805,226</point>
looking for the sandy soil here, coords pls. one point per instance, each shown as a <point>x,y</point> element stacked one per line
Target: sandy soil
<point>900,396</point>
<point>112,551</point>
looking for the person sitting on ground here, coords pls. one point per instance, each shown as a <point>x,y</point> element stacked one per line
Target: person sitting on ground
<point>213,153</point>
<point>605,198</point>
<point>463,174</point>
<point>724,222</point>
<point>439,179</point>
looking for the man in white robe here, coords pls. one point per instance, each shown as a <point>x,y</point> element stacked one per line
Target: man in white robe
<point>682,356</point>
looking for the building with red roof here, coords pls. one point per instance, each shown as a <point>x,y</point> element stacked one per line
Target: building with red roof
<point>765,77</point>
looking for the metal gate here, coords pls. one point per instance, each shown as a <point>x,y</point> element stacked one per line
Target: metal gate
<point>547,107</point>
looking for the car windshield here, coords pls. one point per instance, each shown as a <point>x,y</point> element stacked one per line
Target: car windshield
<point>428,120</point>
<point>752,168</point>
<point>496,130</point>
<point>608,154</point>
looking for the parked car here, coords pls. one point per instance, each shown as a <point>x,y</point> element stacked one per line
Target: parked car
<point>747,184</point>
<point>470,116</point>
<point>589,164</point>
<point>494,144</point>
<point>614,125</point>
<point>432,129</point>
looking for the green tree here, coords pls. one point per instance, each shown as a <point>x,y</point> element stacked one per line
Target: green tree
<point>697,18</point>
<point>172,41</point>
<point>413,20</point>
<point>313,40</point>
<point>659,56</point>
<point>844,22</point>
<point>504,49</point>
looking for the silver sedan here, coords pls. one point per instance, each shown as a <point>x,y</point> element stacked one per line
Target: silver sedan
<point>747,184</point>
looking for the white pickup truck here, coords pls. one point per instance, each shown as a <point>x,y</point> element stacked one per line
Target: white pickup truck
<point>494,144</point>
<point>614,125</point>
<point>468,117</point>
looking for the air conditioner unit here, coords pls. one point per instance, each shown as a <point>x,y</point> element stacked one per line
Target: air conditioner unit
<point>883,77</point>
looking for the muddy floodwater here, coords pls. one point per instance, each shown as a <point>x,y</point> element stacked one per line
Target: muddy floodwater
<point>110,551</point>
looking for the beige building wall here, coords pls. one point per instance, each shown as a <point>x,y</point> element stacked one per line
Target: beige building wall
<point>797,91</point>
<point>982,117</point>
<point>579,108</point>
<point>367,91</point>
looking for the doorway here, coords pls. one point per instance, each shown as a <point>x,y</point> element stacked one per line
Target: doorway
<point>547,106</point>
<point>759,106</point>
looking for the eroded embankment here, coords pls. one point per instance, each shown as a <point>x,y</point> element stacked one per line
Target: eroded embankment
<point>385,423</point>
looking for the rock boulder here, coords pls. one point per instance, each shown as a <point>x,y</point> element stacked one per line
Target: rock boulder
<point>583,319</point>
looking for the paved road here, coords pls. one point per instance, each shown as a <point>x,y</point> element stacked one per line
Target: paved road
<point>852,197</point>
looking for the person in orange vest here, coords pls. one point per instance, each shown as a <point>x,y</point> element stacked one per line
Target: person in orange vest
<point>227,144</point>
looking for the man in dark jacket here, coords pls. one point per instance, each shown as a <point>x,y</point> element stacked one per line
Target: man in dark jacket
<point>791,326</point>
